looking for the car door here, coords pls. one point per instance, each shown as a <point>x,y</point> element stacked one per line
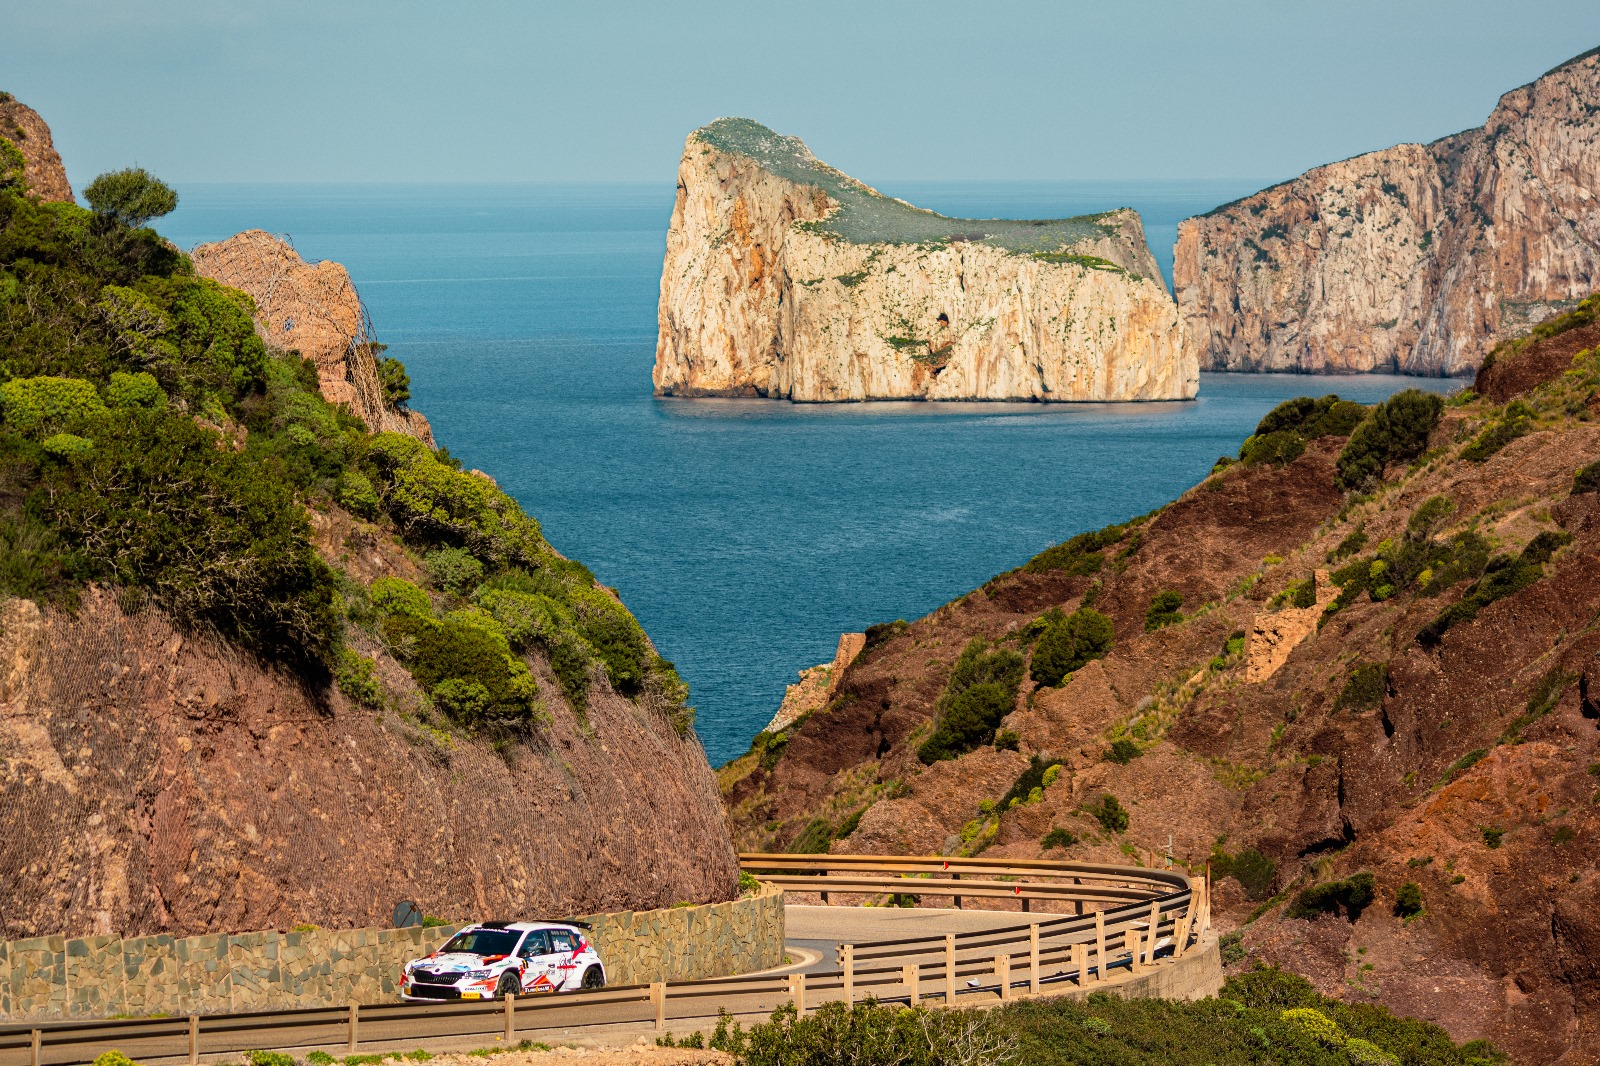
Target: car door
<point>534,959</point>
<point>564,959</point>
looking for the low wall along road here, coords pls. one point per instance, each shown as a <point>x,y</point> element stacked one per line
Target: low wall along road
<point>1131,930</point>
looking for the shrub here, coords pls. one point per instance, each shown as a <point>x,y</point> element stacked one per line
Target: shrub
<point>356,494</point>
<point>1058,837</point>
<point>524,616</point>
<point>1492,835</point>
<point>454,570</point>
<point>1587,479</point>
<point>463,701</point>
<point>130,198</point>
<point>1068,643</point>
<point>614,636</point>
<point>269,1058</point>
<point>883,632</point>
<point>1503,576</point>
<point>865,1033</point>
<point>814,839</point>
<point>1353,542</point>
<point>396,595</point>
<point>1425,520</point>
<point>354,674</point>
<point>1036,776</point>
<point>1081,555</point>
<point>1123,751</point>
<point>1314,1024</point>
<point>13,166</point>
<point>66,445</point>
<point>437,651</point>
<point>135,390</point>
<point>982,690</point>
<point>1353,894</point>
<point>1163,610</point>
<point>395,381</point>
<point>44,405</point>
<point>1364,689</point>
<point>1254,871</point>
<point>1394,431</point>
<point>1110,813</point>
<point>113,1057</point>
<point>1365,1053</point>
<point>1515,421</point>
<point>1283,434</point>
<point>1408,900</point>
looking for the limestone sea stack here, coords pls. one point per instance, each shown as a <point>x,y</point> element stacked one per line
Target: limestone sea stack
<point>786,278</point>
<point>1415,259</point>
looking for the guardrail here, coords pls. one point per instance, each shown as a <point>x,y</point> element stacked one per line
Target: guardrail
<point>1124,918</point>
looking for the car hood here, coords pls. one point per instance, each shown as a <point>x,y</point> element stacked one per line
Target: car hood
<point>456,962</point>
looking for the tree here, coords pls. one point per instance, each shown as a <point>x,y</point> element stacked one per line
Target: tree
<point>130,197</point>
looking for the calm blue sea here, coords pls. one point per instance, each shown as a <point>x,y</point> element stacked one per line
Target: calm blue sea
<point>746,535</point>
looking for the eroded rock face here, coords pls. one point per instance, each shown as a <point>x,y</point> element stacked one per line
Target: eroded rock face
<point>1415,259</point>
<point>22,126</point>
<point>197,791</point>
<point>315,309</point>
<point>785,278</point>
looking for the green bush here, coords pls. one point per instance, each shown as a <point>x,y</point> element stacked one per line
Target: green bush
<point>1313,1023</point>
<point>1035,776</point>
<point>462,701</point>
<point>1364,689</point>
<point>113,1057</point>
<point>1058,837</point>
<point>1503,576</point>
<point>1123,751</point>
<point>1587,479</point>
<point>1068,642</point>
<point>269,1058</point>
<point>131,198</point>
<point>524,616</point>
<point>1352,894</point>
<point>454,570</point>
<point>1394,431</point>
<point>1352,543</point>
<point>614,635</point>
<point>982,690</point>
<point>1110,813</point>
<point>1492,835</point>
<point>1282,436</point>
<point>44,405</point>
<point>1408,900</point>
<point>862,1034</point>
<point>355,676</point>
<point>135,390</point>
<point>1426,519</point>
<point>13,166</point>
<point>396,595</point>
<point>1515,421</point>
<point>1163,610</point>
<point>1255,872</point>
<point>1081,555</point>
<point>883,632</point>
<point>395,381</point>
<point>438,651</point>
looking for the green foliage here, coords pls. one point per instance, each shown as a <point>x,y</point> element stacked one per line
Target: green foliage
<point>614,635</point>
<point>1163,610</point>
<point>1352,543</point>
<point>1416,559</point>
<point>814,838</point>
<point>1081,555</point>
<point>1034,777</point>
<point>356,494</point>
<point>1352,894</point>
<point>34,562</point>
<point>1365,687</point>
<point>1282,436</point>
<point>438,651</point>
<point>1428,516</point>
<point>13,166</point>
<point>66,445</point>
<point>395,381</point>
<point>135,390</point>
<point>1515,421</point>
<point>1254,871</point>
<point>1587,479</point>
<point>524,616</point>
<point>864,1034</point>
<point>1058,837</point>
<point>851,823</point>
<point>462,700</point>
<point>1313,1023</point>
<point>1408,900</point>
<point>982,690</point>
<point>269,1058</point>
<point>1123,751</point>
<point>130,198</point>
<point>454,570</point>
<point>883,632</point>
<point>1110,813</point>
<point>354,674</point>
<point>1394,431</point>
<point>1068,642</point>
<point>44,405</point>
<point>1581,315</point>
<point>1503,576</point>
<point>113,1057</point>
<point>396,595</point>
<point>1492,835</point>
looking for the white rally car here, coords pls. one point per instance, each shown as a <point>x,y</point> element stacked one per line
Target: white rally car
<point>496,959</point>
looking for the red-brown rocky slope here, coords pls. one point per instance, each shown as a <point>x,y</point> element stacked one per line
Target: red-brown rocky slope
<point>1284,736</point>
<point>1413,259</point>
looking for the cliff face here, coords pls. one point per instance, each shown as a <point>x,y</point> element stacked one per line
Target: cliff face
<point>788,279</point>
<point>155,782</point>
<point>1287,715</point>
<point>22,126</point>
<point>313,308</point>
<point>1415,259</point>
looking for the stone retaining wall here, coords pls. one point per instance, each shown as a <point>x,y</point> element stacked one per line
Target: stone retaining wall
<point>61,977</point>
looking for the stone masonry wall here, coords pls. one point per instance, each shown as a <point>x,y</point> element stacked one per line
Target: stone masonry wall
<point>60,977</point>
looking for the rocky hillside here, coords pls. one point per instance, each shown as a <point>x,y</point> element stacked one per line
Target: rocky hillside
<point>21,126</point>
<point>1354,671</point>
<point>786,278</point>
<point>1414,259</point>
<point>263,664</point>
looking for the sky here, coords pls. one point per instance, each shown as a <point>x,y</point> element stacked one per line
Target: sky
<point>513,90</point>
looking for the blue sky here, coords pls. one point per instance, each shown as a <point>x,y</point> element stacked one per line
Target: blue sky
<point>486,90</point>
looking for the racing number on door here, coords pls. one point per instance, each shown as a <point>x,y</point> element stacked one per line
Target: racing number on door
<point>564,959</point>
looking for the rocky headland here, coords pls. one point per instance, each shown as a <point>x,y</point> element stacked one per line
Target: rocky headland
<point>786,278</point>
<point>1415,259</point>
<point>43,174</point>
<point>1355,672</point>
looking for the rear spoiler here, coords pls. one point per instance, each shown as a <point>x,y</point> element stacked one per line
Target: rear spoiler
<point>581,925</point>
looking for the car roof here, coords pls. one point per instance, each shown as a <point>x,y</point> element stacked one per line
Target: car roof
<point>521,927</point>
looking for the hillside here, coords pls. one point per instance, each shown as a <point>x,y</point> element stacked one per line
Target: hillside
<point>1354,671</point>
<point>264,665</point>
<point>788,279</point>
<point>1415,259</point>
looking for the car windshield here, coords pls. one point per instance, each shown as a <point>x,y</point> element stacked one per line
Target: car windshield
<point>483,942</point>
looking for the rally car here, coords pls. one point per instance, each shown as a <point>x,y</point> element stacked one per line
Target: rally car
<point>492,960</point>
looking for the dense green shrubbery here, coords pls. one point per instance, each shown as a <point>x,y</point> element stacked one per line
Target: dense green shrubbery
<point>1581,315</point>
<point>1502,576</point>
<point>863,1034</point>
<point>1058,837</point>
<point>1255,872</point>
<point>1040,774</point>
<point>1415,560</point>
<point>1163,610</point>
<point>1123,751</point>
<point>1282,436</point>
<point>1353,894</point>
<point>981,691</point>
<point>1080,555</point>
<point>1515,421</point>
<point>1110,813</point>
<point>1393,431</point>
<point>1068,642</point>
<point>1408,900</point>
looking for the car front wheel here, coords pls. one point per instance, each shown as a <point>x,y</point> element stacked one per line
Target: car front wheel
<point>508,986</point>
<point>593,978</point>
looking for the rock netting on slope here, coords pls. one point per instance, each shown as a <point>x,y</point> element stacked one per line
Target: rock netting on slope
<point>785,278</point>
<point>195,791</point>
<point>46,178</point>
<point>1414,259</point>
<point>315,309</point>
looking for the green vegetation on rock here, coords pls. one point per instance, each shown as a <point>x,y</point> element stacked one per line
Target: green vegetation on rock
<point>1067,643</point>
<point>981,691</point>
<point>1282,436</point>
<point>1393,431</point>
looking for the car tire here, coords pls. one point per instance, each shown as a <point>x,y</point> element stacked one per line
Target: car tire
<point>509,986</point>
<point>594,977</point>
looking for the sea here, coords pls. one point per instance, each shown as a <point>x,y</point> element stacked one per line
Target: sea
<point>745,535</point>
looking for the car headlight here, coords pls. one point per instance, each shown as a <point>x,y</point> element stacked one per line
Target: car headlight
<point>479,975</point>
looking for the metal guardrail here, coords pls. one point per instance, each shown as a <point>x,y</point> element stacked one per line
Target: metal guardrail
<point>1124,918</point>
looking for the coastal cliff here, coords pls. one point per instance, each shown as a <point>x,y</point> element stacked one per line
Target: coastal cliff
<point>45,177</point>
<point>786,278</point>
<point>1415,259</point>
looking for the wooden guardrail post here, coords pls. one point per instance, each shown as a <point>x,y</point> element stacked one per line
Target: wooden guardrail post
<point>658,1000</point>
<point>1130,940</point>
<point>847,960</point>
<point>1180,937</point>
<point>1080,962</point>
<point>355,1022</point>
<point>511,1018</point>
<point>949,969</point>
<point>1002,973</point>
<point>35,1047</point>
<point>1155,930</point>
<point>956,876</point>
<point>1033,958</point>
<point>909,975</point>
<point>797,992</point>
<point>1100,945</point>
<point>194,1039</point>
